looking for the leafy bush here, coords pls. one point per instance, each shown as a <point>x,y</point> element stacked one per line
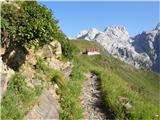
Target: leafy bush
<point>31,24</point>
<point>4,24</point>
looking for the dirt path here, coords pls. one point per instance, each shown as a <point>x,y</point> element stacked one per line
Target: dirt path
<point>92,100</point>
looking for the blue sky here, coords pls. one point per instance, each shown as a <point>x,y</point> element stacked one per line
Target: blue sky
<point>76,16</point>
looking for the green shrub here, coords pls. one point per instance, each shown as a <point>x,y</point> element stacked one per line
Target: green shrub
<point>4,24</point>
<point>56,77</point>
<point>41,65</point>
<point>32,25</point>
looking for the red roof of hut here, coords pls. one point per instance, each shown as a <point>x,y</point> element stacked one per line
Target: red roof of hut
<point>93,50</point>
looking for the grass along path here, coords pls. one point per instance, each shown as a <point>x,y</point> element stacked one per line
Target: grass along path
<point>92,100</point>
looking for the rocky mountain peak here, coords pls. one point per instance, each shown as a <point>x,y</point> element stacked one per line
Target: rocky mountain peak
<point>83,32</point>
<point>116,33</point>
<point>158,26</point>
<point>88,34</point>
<point>142,51</point>
<point>115,28</point>
<point>93,32</point>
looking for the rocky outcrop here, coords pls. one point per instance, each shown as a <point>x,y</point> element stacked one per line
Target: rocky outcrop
<point>125,104</point>
<point>14,56</point>
<point>142,51</point>
<point>47,107</point>
<point>149,43</point>
<point>57,49</point>
<point>51,53</point>
<point>157,27</point>
<point>50,50</point>
<point>64,67</point>
<point>5,74</point>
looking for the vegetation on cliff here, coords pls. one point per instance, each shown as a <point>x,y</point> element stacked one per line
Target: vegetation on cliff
<point>32,25</point>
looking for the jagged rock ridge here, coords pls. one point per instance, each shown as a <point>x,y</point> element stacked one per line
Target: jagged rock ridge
<point>142,51</point>
<point>88,34</point>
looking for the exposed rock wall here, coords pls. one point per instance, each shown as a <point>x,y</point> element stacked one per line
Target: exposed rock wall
<point>142,51</point>
<point>149,43</point>
<point>5,74</point>
<point>51,53</point>
<point>88,34</point>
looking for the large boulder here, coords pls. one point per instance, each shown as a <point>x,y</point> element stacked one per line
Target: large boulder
<point>51,53</point>
<point>50,50</point>
<point>125,103</point>
<point>5,75</point>
<point>55,64</point>
<point>67,69</point>
<point>57,49</point>
<point>47,51</point>
<point>47,108</point>
<point>31,57</point>
<point>64,67</point>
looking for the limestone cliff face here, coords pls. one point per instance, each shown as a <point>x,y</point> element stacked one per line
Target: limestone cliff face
<point>142,51</point>
<point>5,74</point>
<point>88,34</point>
<point>149,43</point>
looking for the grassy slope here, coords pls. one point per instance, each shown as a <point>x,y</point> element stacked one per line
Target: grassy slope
<point>117,78</point>
<point>19,98</point>
<point>138,85</point>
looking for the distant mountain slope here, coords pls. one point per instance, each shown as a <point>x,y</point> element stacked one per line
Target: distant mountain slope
<point>88,34</point>
<point>149,43</point>
<point>142,51</point>
<point>138,79</point>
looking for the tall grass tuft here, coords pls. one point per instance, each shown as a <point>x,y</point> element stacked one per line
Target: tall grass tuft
<point>18,98</point>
